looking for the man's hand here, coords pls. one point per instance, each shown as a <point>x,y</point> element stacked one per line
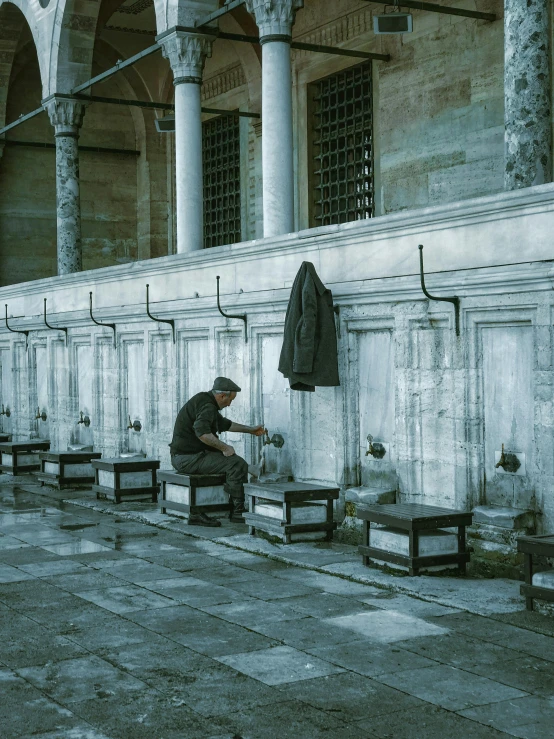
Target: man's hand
<point>258,431</point>
<point>228,451</point>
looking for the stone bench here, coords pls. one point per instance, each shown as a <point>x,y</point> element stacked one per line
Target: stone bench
<point>411,536</point>
<point>185,495</point>
<point>22,456</point>
<point>133,478</point>
<point>291,511</point>
<point>66,469</point>
<point>537,584</point>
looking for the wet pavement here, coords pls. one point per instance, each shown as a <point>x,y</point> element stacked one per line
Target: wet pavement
<point>116,628</point>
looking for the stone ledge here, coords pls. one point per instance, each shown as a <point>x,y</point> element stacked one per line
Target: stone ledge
<point>514,519</point>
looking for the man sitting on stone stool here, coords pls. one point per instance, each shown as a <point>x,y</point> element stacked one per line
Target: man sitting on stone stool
<point>196,449</point>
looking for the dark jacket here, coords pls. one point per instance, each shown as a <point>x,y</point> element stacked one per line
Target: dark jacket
<point>309,352</point>
<point>200,415</point>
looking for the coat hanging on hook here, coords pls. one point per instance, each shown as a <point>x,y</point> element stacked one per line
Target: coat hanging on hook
<point>309,352</point>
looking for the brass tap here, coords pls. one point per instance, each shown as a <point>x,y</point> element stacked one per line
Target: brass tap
<point>5,412</point>
<point>81,420</point>
<point>130,425</point>
<point>502,461</point>
<point>38,413</point>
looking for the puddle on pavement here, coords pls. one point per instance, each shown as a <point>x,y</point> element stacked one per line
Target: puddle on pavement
<point>77,526</point>
<point>80,546</point>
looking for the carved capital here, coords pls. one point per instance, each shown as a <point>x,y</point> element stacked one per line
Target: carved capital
<point>274,17</point>
<point>187,54</point>
<point>66,114</point>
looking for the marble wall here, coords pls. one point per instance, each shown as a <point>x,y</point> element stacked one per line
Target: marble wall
<point>441,404</point>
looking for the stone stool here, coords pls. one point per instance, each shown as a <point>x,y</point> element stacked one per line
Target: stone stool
<point>185,495</point>
<point>537,584</point>
<point>22,456</point>
<point>66,469</point>
<point>291,511</point>
<point>133,478</point>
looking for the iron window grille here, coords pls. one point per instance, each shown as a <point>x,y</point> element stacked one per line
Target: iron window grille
<point>341,157</point>
<point>221,164</point>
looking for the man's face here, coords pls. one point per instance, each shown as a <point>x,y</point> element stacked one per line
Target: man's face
<point>224,400</point>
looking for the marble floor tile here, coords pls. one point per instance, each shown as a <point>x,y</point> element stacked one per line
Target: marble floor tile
<point>325,605</point>
<point>35,645</point>
<point>55,567</point>
<point>10,542</point>
<point>321,581</point>
<point>279,665</point>
<point>269,588</point>
<point>385,626</point>
<point>531,674</point>
<point>410,606</point>
<point>84,579</point>
<point>449,687</point>
<point>305,633</point>
<point>135,570</point>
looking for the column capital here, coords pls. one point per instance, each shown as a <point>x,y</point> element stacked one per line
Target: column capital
<point>65,113</point>
<point>274,17</point>
<point>187,54</point>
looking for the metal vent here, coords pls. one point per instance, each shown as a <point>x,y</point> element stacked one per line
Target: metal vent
<point>221,160</point>
<point>342,147</point>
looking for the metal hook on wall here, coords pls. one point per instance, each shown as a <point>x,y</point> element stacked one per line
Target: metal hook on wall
<point>454,300</point>
<point>228,315</point>
<point>15,331</point>
<point>54,328</point>
<point>109,325</point>
<point>158,320</point>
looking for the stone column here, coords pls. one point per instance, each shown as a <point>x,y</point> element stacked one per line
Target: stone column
<point>66,115</point>
<point>275,20</point>
<point>527,112</point>
<point>187,53</point>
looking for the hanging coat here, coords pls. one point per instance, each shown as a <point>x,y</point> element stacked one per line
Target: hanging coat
<point>309,352</point>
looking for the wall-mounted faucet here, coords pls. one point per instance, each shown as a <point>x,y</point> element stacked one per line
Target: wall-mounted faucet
<point>376,450</point>
<point>277,440</point>
<point>508,461</point>
<point>41,416</point>
<point>84,419</point>
<point>5,411</point>
<point>135,425</point>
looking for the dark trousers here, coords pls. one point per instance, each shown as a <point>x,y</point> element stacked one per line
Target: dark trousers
<point>234,468</point>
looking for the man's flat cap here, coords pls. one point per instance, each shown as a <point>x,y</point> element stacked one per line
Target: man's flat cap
<point>224,385</point>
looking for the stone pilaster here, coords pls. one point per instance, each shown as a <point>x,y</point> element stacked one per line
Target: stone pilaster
<point>274,17</point>
<point>66,115</point>
<point>187,54</point>
<point>527,107</point>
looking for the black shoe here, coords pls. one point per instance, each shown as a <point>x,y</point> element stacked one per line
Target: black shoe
<point>200,519</point>
<point>237,509</point>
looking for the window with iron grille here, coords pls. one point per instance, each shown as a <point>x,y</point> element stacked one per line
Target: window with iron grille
<point>342,147</point>
<point>221,162</point>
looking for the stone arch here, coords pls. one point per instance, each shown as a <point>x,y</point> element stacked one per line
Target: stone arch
<point>72,44</point>
<point>14,15</point>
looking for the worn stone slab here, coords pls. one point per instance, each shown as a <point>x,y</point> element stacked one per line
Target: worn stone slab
<point>323,605</point>
<point>194,592</point>
<point>544,580</point>
<point>368,658</point>
<point>75,680</point>
<point>25,711</point>
<point>279,665</point>
<point>449,687</point>
<point>36,645</point>
<point>126,599</point>
<point>134,570</point>
<point>269,588</point>
<point>408,604</point>
<point>329,583</point>
<point>79,546</point>
<point>434,721</point>
<point>13,574</point>
<point>530,717</point>
<point>305,633</point>
<point>9,542</point>
<point>531,674</point>
<point>385,626</point>
<point>251,612</point>
<point>55,567</point>
<point>200,631</point>
<point>506,518</point>
<point>349,697</point>
<point>460,650</point>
